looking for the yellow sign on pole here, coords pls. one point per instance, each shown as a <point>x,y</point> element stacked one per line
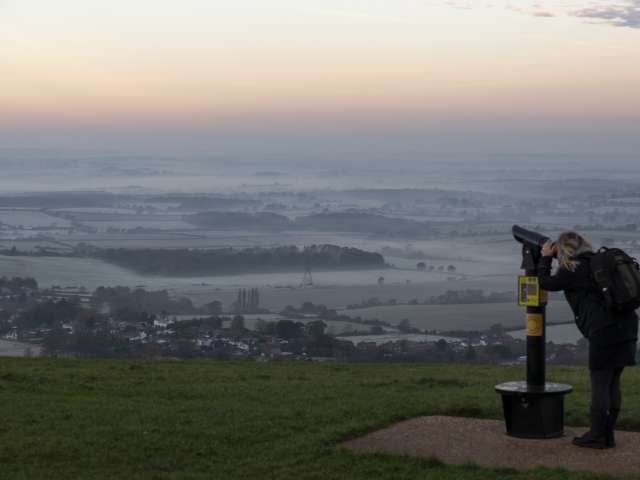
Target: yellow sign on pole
<point>529,292</point>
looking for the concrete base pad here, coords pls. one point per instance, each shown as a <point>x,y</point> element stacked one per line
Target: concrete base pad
<point>457,441</point>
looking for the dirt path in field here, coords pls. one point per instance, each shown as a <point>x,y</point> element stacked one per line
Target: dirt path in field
<point>456,441</point>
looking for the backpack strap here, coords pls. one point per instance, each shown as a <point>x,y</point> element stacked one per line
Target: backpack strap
<point>601,272</point>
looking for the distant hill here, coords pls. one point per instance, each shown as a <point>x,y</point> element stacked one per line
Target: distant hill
<point>60,200</point>
<point>103,419</point>
<point>343,222</point>
<point>364,223</point>
<point>208,202</point>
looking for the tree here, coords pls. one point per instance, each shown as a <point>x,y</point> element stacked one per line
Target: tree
<point>238,305</point>
<point>261,325</point>
<point>405,326</point>
<point>470,354</point>
<point>421,266</point>
<point>214,322</point>
<point>288,329</point>
<point>253,302</point>
<point>185,349</point>
<point>497,329</point>
<point>501,352</point>
<point>451,268</point>
<point>237,323</point>
<point>442,345</point>
<point>151,350</point>
<point>48,313</point>
<point>316,329</point>
<point>54,342</point>
<point>214,308</point>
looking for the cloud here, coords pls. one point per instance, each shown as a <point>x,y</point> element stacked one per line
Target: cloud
<point>625,14</point>
<point>543,14</point>
<point>360,15</point>
<point>619,13</point>
<point>459,4</point>
<point>535,11</point>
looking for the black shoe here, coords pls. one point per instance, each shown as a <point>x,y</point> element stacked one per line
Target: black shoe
<point>596,437</point>
<point>589,441</point>
<point>610,439</point>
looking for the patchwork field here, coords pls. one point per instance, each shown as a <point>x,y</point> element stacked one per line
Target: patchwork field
<point>277,290</point>
<point>452,317</point>
<point>30,218</point>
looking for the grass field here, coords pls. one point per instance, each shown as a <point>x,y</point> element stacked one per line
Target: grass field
<point>67,419</point>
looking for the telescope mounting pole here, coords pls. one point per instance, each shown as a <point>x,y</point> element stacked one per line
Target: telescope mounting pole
<point>535,323</point>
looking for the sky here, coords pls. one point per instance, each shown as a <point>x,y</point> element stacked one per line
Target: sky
<point>314,79</point>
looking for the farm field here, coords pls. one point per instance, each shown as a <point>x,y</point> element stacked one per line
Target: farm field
<point>90,272</point>
<point>334,289</point>
<point>464,244</point>
<point>559,334</point>
<point>334,327</point>
<point>30,218</point>
<point>394,337</point>
<point>452,317</point>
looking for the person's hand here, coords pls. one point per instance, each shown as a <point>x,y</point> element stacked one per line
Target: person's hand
<point>549,249</point>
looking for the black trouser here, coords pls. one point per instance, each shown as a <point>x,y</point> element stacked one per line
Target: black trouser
<point>605,390</point>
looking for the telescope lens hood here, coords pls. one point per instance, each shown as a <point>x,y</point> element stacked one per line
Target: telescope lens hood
<point>529,237</point>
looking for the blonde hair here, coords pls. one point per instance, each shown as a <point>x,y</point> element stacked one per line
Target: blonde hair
<point>570,245</point>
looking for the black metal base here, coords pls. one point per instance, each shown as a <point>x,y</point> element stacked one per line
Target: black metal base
<point>534,411</point>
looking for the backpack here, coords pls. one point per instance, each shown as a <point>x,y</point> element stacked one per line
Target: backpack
<point>617,276</point>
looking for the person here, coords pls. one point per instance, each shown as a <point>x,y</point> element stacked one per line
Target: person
<point>612,335</point>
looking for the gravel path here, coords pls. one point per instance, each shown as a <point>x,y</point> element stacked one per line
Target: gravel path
<point>457,441</point>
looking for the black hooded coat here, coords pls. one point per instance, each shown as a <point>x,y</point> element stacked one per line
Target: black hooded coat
<point>612,335</point>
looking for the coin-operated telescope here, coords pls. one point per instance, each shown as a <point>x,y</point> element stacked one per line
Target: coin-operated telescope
<point>533,408</point>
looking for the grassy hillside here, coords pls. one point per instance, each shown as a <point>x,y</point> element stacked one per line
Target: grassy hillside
<point>62,419</point>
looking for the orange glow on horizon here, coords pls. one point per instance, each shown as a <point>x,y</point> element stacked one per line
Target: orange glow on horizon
<point>440,63</point>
